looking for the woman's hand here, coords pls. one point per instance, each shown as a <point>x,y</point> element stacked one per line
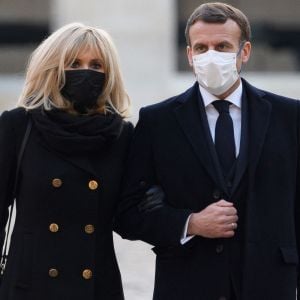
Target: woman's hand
<point>153,199</point>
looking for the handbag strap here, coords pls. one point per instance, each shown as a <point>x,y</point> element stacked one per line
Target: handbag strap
<point>19,160</point>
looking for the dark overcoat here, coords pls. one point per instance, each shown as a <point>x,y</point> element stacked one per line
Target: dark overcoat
<point>62,244</point>
<point>172,147</point>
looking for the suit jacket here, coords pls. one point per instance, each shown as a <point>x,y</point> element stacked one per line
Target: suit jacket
<point>62,245</point>
<point>171,148</point>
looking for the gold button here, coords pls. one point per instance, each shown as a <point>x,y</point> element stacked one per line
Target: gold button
<point>56,182</point>
<point>53,273</point>
<point>53,227</point>
<point>89,228</point>
<point>93,185</point>
<point>87,274</point>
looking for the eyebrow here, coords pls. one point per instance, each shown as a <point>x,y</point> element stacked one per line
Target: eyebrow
<point>225,42</point>
<point>97,59</point>
<point>93,59</point>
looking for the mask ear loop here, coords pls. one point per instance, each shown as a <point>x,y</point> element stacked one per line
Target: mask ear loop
<point>240,48</point>
<point>239,53</point>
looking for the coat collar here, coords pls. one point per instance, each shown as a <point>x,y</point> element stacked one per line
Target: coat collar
<point>81,162</point>
<point>259,113</point>
<point>242,159</point>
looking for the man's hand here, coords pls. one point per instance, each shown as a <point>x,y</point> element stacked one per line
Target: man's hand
<point>218,220</point>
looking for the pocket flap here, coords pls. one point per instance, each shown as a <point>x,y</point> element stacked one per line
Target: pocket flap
<point>290,255</point>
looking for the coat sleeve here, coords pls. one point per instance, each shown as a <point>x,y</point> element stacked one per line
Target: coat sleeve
<point>161,227</point>
<point>7,169</point>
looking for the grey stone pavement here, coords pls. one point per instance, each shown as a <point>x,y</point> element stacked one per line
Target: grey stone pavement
<point>136,263</point>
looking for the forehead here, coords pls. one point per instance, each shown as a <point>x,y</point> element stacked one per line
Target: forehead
<point>206,33</point>
<point>89,53</point>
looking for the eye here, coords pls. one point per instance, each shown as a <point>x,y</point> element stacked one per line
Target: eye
<point>224,47</point>
<point>200,48</point>
<point>96,66</point>
<point>75,64</point>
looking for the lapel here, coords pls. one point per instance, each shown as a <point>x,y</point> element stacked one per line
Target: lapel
<point>191,116</point>
<point>242,159</point>
<point>82,162</point>
<point>259,112</point>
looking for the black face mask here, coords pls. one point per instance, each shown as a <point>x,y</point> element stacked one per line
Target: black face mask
<point>83,88</point>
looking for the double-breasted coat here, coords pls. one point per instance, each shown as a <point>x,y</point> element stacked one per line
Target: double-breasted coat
<point>62,244</point>
<point>172,147</point>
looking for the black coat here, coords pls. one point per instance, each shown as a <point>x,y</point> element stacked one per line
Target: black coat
<point>171,148</point>
<point>54,254</point>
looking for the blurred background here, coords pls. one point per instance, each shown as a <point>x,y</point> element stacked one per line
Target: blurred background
<point>149,36</point>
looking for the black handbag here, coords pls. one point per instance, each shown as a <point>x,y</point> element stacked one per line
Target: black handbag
<point>5,248</point>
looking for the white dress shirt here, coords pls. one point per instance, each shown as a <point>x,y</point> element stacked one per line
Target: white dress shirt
<point>235,111</point>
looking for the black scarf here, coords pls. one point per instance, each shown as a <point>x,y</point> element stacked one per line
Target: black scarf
<point>76,134</point>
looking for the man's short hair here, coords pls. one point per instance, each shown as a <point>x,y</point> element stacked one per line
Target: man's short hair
<point>218,12</point>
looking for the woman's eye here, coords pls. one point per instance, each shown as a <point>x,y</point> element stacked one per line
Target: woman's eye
<point>97,66</point>
<point>74,65</point>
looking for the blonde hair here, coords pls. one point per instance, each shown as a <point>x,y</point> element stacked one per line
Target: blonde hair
<point>45,72</point>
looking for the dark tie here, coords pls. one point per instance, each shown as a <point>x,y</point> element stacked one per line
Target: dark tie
<point>224,136</point>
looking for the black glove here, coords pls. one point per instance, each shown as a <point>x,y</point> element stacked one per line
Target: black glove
<point>152,200</point>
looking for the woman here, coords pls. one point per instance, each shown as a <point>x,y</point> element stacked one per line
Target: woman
<point>69,180</point>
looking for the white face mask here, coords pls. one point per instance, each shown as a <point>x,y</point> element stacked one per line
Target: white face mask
<point>216,71</point>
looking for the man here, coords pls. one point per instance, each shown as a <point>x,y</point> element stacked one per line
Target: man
<point>226,155</point>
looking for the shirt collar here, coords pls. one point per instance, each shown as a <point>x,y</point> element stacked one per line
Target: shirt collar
<point>235,97</point>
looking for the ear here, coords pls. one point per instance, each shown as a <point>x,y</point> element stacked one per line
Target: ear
<point>246,51</point>
<point>189,55</point>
